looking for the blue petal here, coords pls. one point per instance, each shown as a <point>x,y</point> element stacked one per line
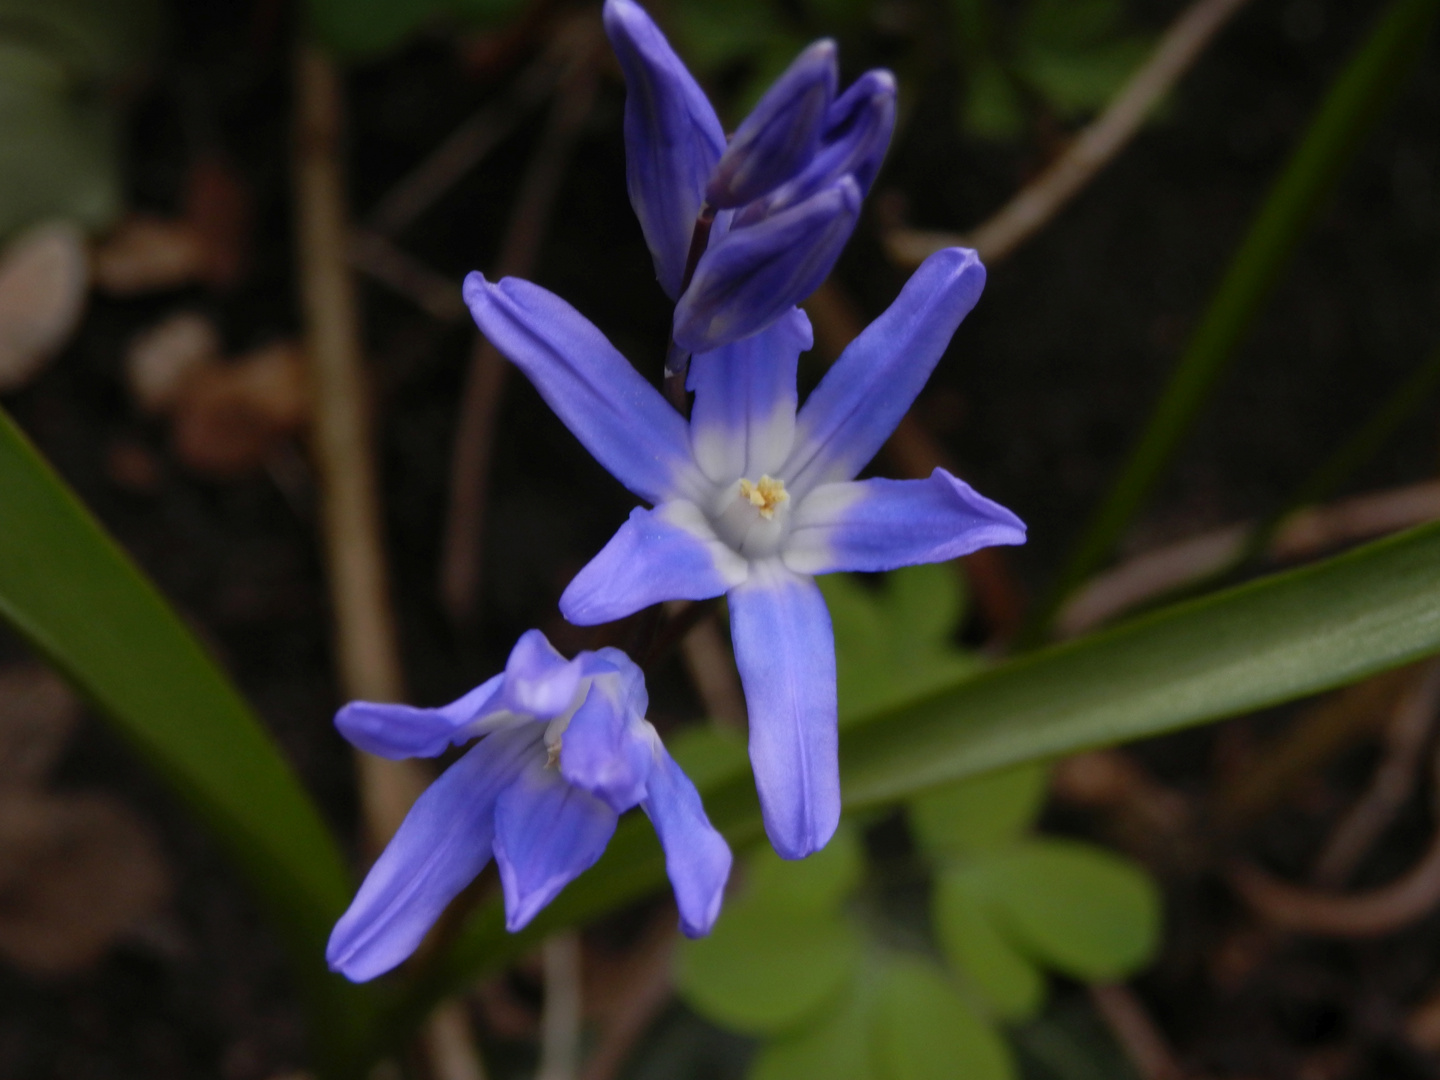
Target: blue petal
<point>752,276</point>
<point>857,133</point>
<point>781,133</point>
<point>539,682</point>
<point>785,651</point>
<point>669,553</point>
<point>672,138</point>
<point>697,859</point>
<point>882,524</point>
<point>547,833</point>
<point>442,844</point>
<point>858,129</point>
<point>612,410</point>
<point>863,396</point>
<point>604,749</point>
<point>403,731</point>
<point>743,420</point>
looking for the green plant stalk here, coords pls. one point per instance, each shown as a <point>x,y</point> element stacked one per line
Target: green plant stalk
<point>79,601</point>
<point>1368,84</point>
<point>1270,641</point>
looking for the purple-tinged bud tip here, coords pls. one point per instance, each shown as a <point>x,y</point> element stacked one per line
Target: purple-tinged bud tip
<point>752,276</point>
<point>781,134</point>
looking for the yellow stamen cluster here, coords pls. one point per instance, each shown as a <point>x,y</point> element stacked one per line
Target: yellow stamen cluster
<point>765,496</point>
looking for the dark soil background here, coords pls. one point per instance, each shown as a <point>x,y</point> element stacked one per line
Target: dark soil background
<point>1044,389</point>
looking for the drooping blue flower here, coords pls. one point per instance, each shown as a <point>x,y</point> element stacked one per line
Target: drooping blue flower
<point>784,193</point>
<point>752,498</point>
<point>564,748</point>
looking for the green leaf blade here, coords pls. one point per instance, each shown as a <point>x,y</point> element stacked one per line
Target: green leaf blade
<point>76,598</point>
<point>1273,640</point>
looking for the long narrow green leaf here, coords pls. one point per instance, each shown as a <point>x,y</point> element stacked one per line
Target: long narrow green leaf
<point>1368,84</point>
<point>77,599</point>
<point>1273,640</point>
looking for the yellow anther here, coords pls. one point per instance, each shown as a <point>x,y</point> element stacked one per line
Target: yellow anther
<point>552,753</point>
<point>765,496</point>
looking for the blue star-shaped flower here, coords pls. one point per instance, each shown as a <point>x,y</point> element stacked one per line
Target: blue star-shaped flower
<point>564,748</point>
<point>752,498</point>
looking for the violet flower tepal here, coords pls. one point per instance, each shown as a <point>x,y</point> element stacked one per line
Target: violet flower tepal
<point>761,220</point>
<point>563,749</point>
<point>752,497</point>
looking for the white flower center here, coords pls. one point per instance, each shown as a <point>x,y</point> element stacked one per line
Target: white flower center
<point>753,517</point>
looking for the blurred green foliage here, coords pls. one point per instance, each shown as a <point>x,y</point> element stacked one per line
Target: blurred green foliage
<point>810,959</point>
<point>361,29</point>
<point>1067,57</point>
<point>62,63</point>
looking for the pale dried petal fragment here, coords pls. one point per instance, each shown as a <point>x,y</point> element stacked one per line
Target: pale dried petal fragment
<point>160,359</point>
<point>44,279</point>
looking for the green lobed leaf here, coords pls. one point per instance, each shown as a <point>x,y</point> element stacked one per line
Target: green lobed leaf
<point>893,643</point>
<point>817,884</point>
<point>977,949</point>
<point>837,1045</point>
<point>1081,909</point>
<point>982,812</point>
<point>765,970</point>
<point>924,1030</point>
<point>78,600</point>
<point>1273,640</point>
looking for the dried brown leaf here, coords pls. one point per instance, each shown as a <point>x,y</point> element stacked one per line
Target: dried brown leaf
<point>149,254</point>
<point>38,711</point>
<point>75,873</point>
<point>229,418</point>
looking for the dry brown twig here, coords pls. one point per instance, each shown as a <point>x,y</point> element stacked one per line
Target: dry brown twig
<point>460,561</point>
<point>1144,1044</point>
<point>1393,783</point>
<point>1040,200</point>
<point>631,1002</point>
<point>1306,534</point>
<point>469,143</point>
<point>1367,914</point>
<point>560,1021</point>
<point>1321,731</point>
<point>379,257</point>
<point>343,447</point>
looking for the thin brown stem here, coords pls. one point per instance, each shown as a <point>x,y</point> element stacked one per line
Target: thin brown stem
<point>460,565</point>
<point>1143,1042</point>
<point>1040,200</point>
<point>472,141</point>
<point>1366,914</point>
<point>343,448</point>
<point>1392,784</point>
